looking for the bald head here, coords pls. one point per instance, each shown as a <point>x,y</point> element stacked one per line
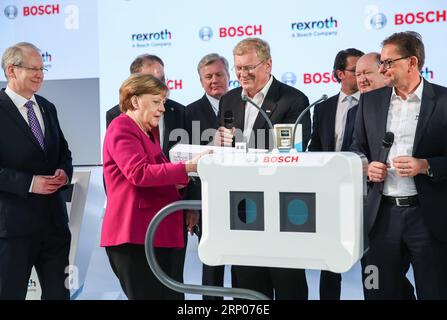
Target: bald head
<point>367,72</point>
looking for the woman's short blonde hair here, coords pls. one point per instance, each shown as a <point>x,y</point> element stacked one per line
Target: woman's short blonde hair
<point>138,84</point>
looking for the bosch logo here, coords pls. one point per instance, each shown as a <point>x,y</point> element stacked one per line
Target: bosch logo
<point>240,31</point>
<point>289,78</point>
<point>11,12</point>
<point>316,78</point>
<point>206,33</point>
<point>280,159</point>
<point>378,21</point>
<point>174,84</point>
<point>49,9</point>
<point>420,17</point>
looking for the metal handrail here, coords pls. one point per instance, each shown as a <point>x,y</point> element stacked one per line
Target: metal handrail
<point>178,286</point>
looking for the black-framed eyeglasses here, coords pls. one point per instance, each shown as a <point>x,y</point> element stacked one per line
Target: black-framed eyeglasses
<point>248,69</point>
<point>350,70</point>
<point>388,63</point>
<point>41,69</point>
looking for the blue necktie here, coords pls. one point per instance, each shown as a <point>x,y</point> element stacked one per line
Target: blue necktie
<point>34,124</point>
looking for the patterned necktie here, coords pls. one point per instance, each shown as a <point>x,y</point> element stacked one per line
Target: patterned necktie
<point>34,124</point>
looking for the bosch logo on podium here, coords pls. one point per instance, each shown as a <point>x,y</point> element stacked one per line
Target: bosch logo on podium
<point>240,31</point>
<point>280,159</point>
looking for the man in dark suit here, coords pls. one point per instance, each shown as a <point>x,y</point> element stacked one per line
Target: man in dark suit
<point>369,78</point>
<point>174,116</point>
<point>283,104</point>
<point>406,207</point>
<point>35,163</point>
<point>331,133</point>
<point>201,124</point>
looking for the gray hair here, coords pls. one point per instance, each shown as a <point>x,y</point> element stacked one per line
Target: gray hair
<point>260,46</point>
<point>211,58</point>
<point>14,55</point>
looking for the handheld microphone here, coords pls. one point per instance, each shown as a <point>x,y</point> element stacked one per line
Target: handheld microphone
<point>387,142</point>
<point>245,98</point>
<point>323,98</point>
<point>228,123</point>
<point>228,119</point>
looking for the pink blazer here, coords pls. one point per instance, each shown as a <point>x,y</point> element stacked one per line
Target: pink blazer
<point>140,181</point>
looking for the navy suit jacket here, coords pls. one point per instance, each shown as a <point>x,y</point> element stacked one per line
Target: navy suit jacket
<point>23,213</point>
<point>282,103</point>
<point>174,118</point>
<point>323,127</point>
<point>202,112</point>
<point>429,143</point>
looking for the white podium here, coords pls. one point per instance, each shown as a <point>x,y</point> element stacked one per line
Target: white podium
<point>293,210</point>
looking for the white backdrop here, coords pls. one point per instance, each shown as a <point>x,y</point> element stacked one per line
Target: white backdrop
<point>83,39</point>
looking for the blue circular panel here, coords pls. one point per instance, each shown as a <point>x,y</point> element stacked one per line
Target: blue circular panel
<point>297,212</point>
<point>247,211</point>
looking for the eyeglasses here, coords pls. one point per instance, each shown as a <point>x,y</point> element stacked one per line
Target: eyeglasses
<point>41,69</point>
<point>350,70</point>
<point>248,69</point>
<point>388,63</point>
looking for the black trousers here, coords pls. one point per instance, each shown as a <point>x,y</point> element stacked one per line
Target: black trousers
<point>128,262</point>
<point>47,252</point>
<point>211,275</point>
<point>330,285</point>
<point>278,283</point>
<point>400,237</point>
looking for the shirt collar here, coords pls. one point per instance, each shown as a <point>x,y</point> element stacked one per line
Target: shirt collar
<point>17,99</point>
<point>416,95</point>
<point>214,102</point>
<point>263,92</point>
<point>343,96</point>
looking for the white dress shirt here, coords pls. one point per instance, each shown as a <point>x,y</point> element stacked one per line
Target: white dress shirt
<point>251,113</point>
<point>402,121</point>
<point>341,115</point>
<point>214,103</point>
<point>20,101</point>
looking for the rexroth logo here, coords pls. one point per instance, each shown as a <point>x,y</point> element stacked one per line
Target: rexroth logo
<point>280,159</point>
<point>420,17</point>
<point>317,77</point>
<point>49,9</point>
<point>240,31</point>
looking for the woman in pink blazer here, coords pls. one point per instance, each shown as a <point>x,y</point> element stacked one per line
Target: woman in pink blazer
<point>140,181</point>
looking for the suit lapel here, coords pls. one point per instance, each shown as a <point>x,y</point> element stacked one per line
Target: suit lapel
<point>12,111</point>
<point>268,105</point>
<point>427,108</point>
<point>238,111</point>
<point>169,118</point>
<point>208,111</point>
<point>379,112</point>
<point>48,135</point>
<point>330,123</point>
